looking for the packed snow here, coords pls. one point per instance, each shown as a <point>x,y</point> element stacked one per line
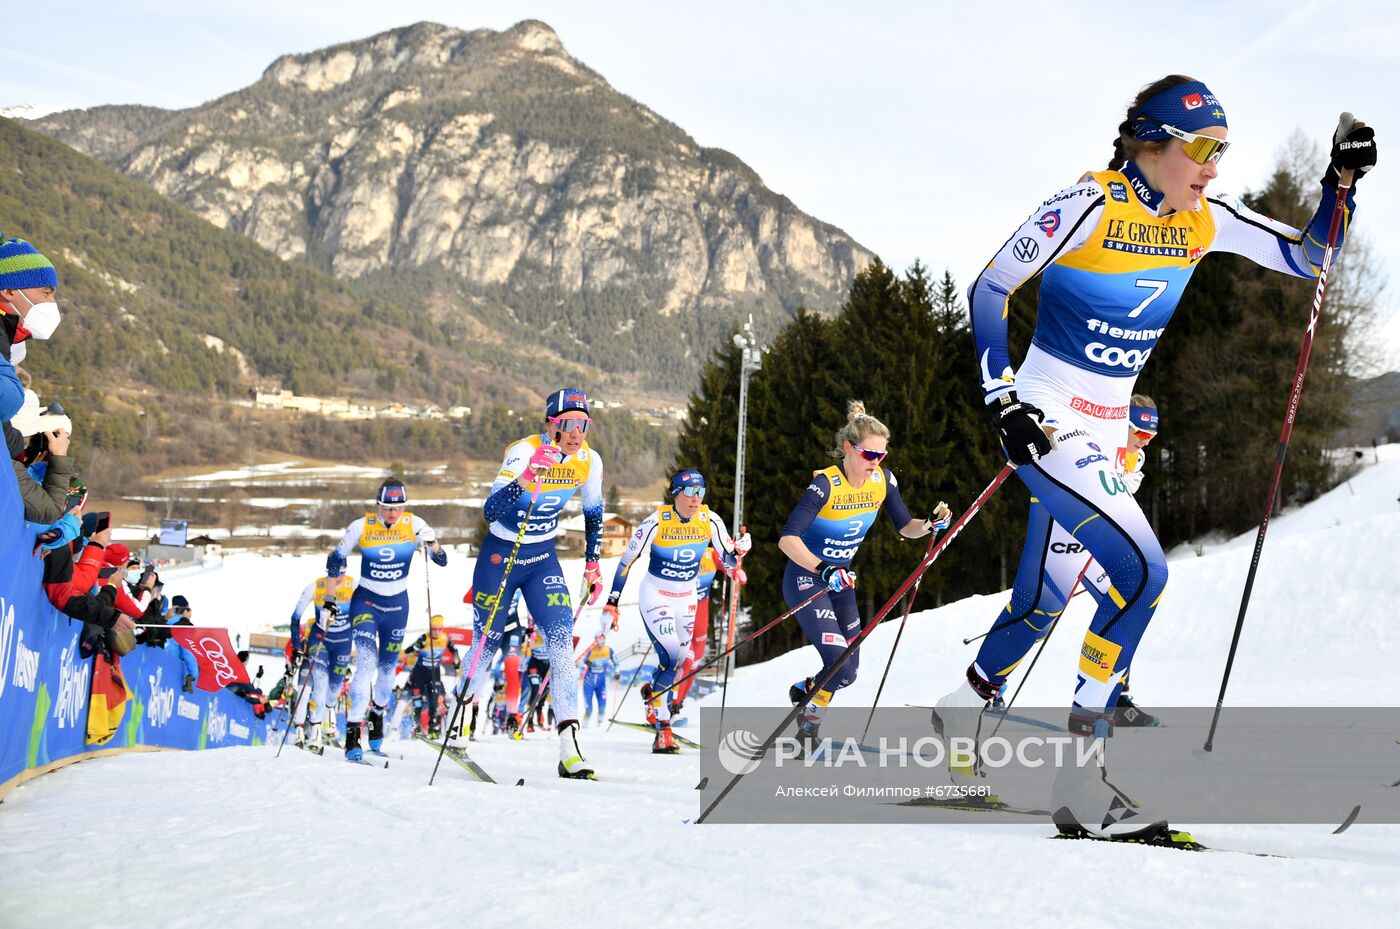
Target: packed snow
<point>241,837</point>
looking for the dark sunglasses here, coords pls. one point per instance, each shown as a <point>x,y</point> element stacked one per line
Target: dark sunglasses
<point>869,454</point>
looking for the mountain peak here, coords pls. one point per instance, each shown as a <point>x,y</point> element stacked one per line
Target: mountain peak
<point>535,36</point>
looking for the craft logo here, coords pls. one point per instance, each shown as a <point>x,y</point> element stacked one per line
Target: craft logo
<point>161,704</point>
<point>1192,101</point>
<point>1049,222</point>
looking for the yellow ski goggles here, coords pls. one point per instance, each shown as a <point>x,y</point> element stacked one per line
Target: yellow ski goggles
<point>1201,149</point>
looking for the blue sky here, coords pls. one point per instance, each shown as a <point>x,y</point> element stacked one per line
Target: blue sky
<point>924,130</point>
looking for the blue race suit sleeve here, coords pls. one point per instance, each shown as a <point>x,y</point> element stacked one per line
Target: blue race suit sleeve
<point>592,494</point>
<point>1275,245</point>
<point>639,543</point>
<point>894,503</point>
<point>340,555</point>
<point>1024,255</point>
<point>813,499</point>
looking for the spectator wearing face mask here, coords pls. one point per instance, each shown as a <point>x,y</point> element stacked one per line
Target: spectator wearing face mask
<point>28,283</point>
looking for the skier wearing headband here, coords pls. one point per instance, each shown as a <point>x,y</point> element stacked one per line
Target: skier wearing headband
<point>1114,252</point>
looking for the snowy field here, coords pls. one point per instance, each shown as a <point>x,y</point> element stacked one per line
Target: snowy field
<point>237,837</point>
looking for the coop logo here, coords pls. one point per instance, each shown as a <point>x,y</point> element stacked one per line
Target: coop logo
<point>7,629</point>
<point>70,704</point>
<point>740,752</point>
<point>1114,357</point>
<point>161,705</point>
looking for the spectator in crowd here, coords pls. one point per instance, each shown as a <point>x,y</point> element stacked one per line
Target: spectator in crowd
<point>44,469</point>
<point>250,692</point>
<point>180,615</point>
<point>28,282</point>
<point>68,580</point>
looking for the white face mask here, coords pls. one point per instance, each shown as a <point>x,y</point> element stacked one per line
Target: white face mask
<point>133,574</point>
<point>42,318</point>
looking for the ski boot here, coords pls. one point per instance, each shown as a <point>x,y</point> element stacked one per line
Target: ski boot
<point>513,723</point>
<point>471,730</point>
<point>677,718</point>
<point>1086,803</point>
<point>353,751</point>
<point>957,718</point>
<point>665,742</point>
<point>375,718</point>
<point>650,702</point>
<point>1129,714</point>
<point>808,734</point>
<point>571,761</point>
<point>797,693</point>
<point>300,739</point>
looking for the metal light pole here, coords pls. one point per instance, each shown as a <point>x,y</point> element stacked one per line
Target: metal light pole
<point>751,360</point>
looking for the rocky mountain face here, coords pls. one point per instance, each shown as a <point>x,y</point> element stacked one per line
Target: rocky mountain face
<point>490,174</point>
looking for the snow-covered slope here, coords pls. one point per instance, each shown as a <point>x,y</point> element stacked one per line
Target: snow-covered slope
<point>238,837</point>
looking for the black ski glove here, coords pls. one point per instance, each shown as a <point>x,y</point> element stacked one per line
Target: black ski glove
<point>1354,147</point>
<point>1018,424</point>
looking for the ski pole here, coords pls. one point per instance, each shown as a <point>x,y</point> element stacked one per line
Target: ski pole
<point>635,674</point>
<point>485,631</point>
<point>831,672</point>
<point>1043,642</point>
<point>292,714</point>
<point>908,607</point>
<point>734,589</point>
<point>1333,230</point>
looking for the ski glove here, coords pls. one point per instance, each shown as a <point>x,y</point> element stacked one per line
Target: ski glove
<point>544,458</point>
<point>1133,479</point>
<point>941,517</point>
<point>743,543</point>
<point>439,556</point>
<point>1018,424</point>
<point>1354,147</point>
<point>738,575</point>
<point>838,578</point>
<point>593,577</point>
